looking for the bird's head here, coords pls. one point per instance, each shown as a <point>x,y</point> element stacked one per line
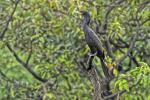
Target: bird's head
<point>86,16</point>
<point>85,13</point>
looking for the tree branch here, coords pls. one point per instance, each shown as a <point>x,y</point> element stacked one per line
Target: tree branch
<point>2,73</point>
<point>131,47</point>
<point>8,19</point>
<point>30,54</point>
<point>26,66</point>
<point>105,26</point>
<point>110,8</point>
<point>100,84</point>
<point>123,91</point>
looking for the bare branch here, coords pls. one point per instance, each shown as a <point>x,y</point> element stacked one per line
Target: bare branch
<point>143,5</point>
<point>25,65</point>
<point>132,44</point>
<point>8,19</point>
<point>145,21</point>
<point>108,46</point>
<point>131,47</point>
<point>2,73</point>
<point>110,8</point>
<point>30,54</point>
<point>105,25</point>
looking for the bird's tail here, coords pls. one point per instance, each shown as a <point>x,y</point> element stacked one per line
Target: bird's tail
<point>105,68</point>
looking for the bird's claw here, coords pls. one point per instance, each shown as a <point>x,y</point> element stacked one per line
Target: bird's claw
<point>92,54</point>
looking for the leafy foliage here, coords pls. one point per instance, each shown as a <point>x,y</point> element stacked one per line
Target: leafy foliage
<point>49,31</point>
<point>135,82</point>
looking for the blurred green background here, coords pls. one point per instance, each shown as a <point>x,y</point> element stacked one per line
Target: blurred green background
<point>51,30</point>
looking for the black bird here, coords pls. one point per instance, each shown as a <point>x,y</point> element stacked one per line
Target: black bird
<point>93,41</point>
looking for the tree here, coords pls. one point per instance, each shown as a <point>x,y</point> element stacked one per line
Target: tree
<point>44,53</point>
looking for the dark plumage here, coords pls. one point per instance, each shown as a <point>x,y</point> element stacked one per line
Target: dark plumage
<point>93,41</point>
<point>90,36</point>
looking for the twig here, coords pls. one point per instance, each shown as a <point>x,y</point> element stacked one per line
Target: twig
<point>148,19</point>
<point>30,54</point>
<point>105,25</point>
<point>131,47</point>
<point>8,19</point>
<point>109,49</point>
<point>121,92</point>
<point>25,65</point>
<point>143,5</point>
<point>2,73</point>
<point>110,8</point>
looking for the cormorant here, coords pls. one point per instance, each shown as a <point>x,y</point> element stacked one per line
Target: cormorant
<point>93,41</point>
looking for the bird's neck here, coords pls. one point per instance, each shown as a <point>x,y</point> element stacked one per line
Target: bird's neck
<point>86,21</point>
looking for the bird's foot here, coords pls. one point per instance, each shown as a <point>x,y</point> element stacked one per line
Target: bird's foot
<point>92,54</point>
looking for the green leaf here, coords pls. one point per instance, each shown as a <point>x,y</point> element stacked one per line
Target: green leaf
<point>126,87</point>
<point>71,9</point>
<point>94,12</point>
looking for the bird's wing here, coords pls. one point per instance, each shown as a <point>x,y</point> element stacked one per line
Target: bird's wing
<point>95,39</point>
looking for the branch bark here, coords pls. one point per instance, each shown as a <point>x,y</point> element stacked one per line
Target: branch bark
<point>8,20</point>
<point>104,26</point>
<point>137,23</point>
<point>25,65</point>
<point>123,91</point>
